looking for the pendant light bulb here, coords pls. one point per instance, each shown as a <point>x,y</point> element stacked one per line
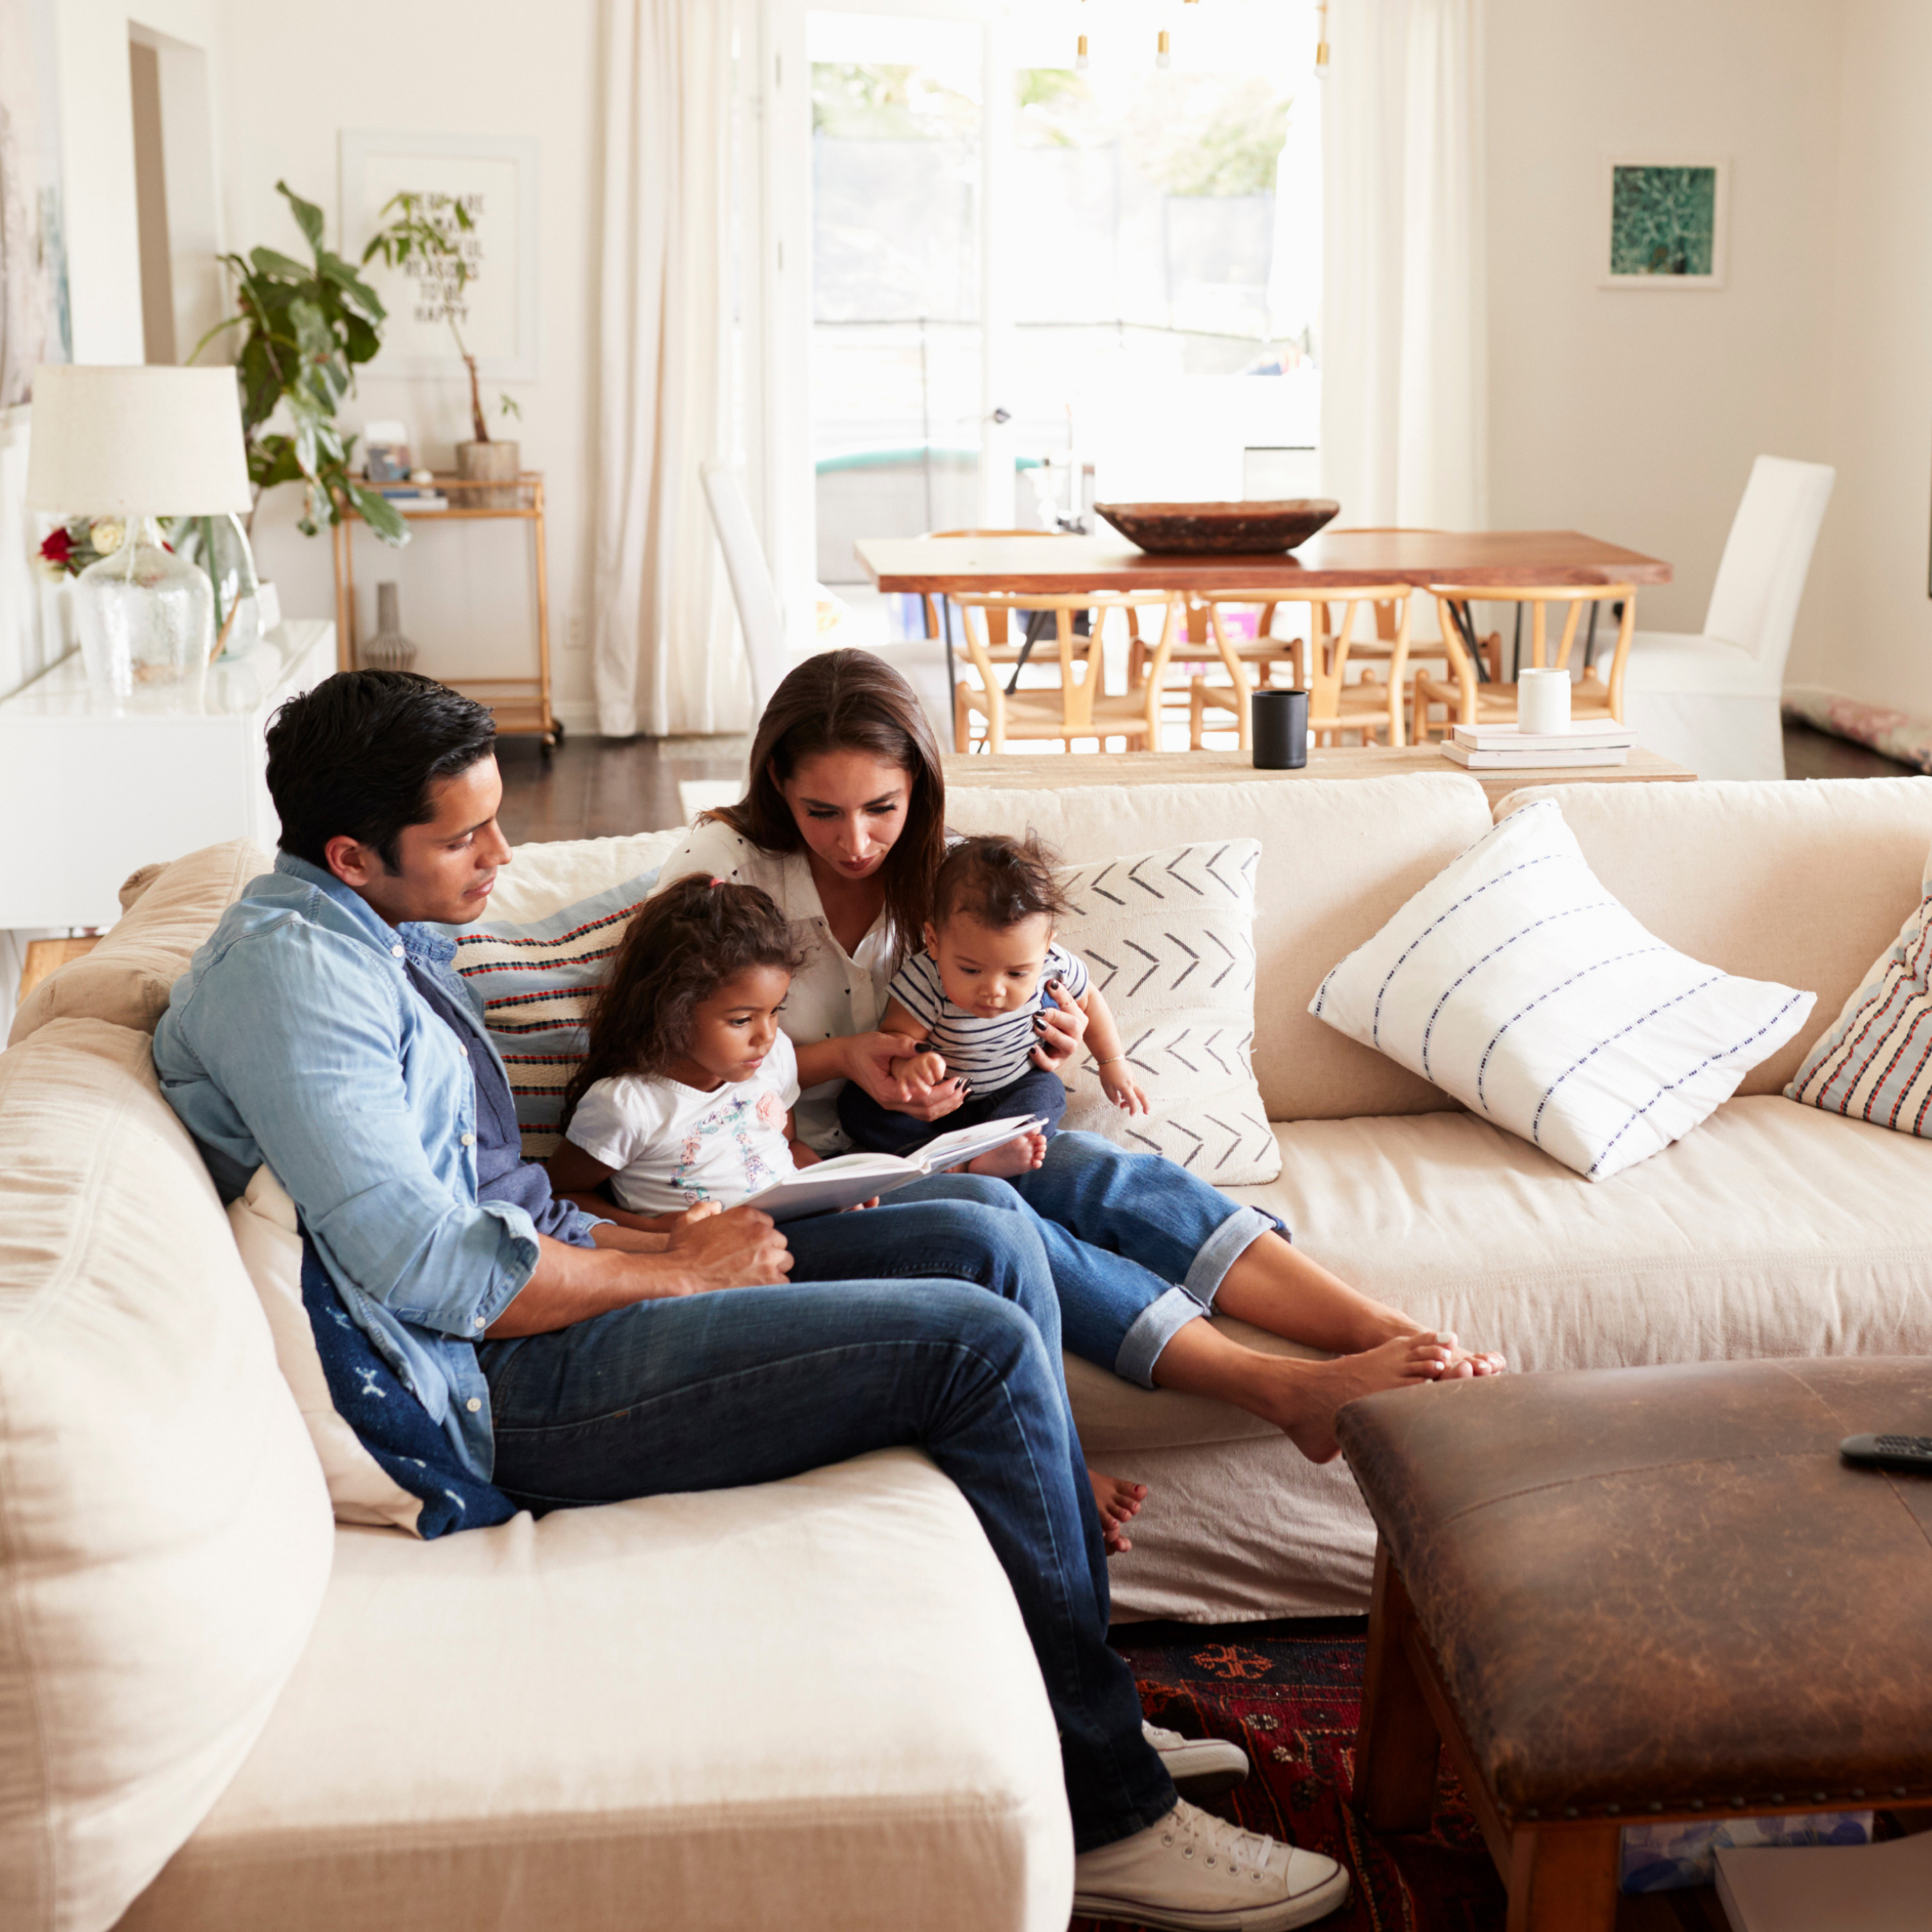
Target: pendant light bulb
<point>1164,55</point>
<point>1321,41</point>
<point>1079,58</point>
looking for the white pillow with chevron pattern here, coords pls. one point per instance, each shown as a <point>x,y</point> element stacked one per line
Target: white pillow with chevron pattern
<point>1515,982</point>
<point>1168,938</point>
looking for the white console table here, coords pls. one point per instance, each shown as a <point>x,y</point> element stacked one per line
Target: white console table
<point>91,789</point>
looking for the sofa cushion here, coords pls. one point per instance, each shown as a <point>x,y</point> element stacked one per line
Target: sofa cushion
<point>536,979</point>
<point>810,1703</point>
<point>1773,1230</point>
<point>1515,982</point>
<point>268,1236</point>
<point>126,979</point>
<point>1338,856</point>
<point>545,876</point>
<point>164,1530</point>
<point>1168,940</point>
<point>1803,883</point>
<point>1875,1062</point>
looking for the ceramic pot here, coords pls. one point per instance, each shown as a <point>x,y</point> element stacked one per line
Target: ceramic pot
<point>487,463</point>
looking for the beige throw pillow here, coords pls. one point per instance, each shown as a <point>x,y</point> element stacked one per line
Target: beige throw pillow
<point>1169,939</point>
<point>269,1239</point>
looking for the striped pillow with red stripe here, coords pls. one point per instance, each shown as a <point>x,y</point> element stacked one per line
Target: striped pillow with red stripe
<point>534,982</point>
<point>1875,1064</point>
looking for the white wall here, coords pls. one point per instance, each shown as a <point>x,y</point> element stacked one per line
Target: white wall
<point>294,79</point>
<point>1870,630</point>
<point>1634,413</point>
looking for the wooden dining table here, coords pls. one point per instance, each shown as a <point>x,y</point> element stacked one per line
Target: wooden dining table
<point>1330,559</point>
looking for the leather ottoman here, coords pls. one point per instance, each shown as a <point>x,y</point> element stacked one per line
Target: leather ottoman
<point>1642,1594</point>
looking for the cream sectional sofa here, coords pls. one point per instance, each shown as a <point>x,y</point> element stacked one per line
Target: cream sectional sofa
<point>811,1704</point>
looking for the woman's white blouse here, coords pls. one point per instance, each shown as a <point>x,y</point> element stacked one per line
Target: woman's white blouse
<point>835,993</point>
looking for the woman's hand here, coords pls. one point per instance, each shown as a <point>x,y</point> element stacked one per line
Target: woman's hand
<point>1061,1026</point>
<point>868,1058</point>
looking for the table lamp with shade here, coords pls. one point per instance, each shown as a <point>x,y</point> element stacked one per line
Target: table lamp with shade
<point>139,444</point>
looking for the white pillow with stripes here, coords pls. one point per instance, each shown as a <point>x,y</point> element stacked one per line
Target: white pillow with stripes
<point>1515,982</point>
<point>1875,1062</point>
<point>1168,938</point>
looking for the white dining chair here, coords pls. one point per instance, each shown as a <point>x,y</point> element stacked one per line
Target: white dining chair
<point>1711,701</point>
<point>761,616</point>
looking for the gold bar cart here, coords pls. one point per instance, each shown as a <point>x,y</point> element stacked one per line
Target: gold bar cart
<point>521,706</point>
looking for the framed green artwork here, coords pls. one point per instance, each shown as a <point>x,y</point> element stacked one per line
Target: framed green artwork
<point>1664,221</point>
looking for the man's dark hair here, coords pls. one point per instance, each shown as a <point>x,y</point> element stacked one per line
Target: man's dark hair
<point>355,757</point>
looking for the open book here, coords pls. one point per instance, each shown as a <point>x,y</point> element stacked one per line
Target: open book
<point>848,1178</point>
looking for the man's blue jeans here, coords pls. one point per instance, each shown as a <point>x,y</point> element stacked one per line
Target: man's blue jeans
<point>1138,1246</point>
<point>952,1345</point>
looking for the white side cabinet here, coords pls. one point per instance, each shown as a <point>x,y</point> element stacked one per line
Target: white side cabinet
<point>91,789</point>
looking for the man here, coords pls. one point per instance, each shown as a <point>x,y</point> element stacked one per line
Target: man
<point>565,1360</point>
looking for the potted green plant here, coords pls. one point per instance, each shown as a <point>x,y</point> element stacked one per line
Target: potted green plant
<point>307,327</point>
<point>428,229</point>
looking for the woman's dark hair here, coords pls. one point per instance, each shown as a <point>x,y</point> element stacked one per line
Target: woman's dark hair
<point>680,949</point>
<point>355,758</point>
<point>849,700</point>
<point>998,882</point>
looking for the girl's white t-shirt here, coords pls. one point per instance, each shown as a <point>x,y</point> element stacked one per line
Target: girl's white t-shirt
<point>834,994</point>
<point>671,1145</point>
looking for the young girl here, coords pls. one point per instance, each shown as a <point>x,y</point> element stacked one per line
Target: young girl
<point>683,1101</point>
<point>684,1098</point>
<point>975,998</point>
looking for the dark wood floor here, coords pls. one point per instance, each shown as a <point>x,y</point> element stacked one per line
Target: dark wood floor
<point>596,788</point>
<point>599,788</point>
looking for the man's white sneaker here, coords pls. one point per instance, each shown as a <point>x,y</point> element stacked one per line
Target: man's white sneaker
<point>1194,1872</point>
<point>1200,1767</point>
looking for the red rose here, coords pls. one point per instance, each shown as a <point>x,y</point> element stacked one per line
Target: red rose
<point>59,548</point>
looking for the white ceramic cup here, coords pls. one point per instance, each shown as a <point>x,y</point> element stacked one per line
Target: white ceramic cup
<point>1542,702</point>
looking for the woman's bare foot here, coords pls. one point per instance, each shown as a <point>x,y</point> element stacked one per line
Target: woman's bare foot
<point>1020,1155</point>
<point>1307,1394</point>
<point>1463,1362</point>
<point>1118,1503</point>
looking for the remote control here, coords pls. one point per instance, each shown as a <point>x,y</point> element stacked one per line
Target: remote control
<point>1909,1452</point>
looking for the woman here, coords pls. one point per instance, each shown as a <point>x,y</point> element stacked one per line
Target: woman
<point>843,825</point>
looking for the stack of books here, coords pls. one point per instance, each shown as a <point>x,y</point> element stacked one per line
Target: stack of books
<point>1504,748</point>
<point>411,497</point>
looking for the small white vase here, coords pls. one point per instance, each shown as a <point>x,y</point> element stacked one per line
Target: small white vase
<point>1542,703</point>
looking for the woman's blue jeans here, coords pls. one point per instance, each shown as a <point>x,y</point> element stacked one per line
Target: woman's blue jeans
<point>951,1345</point>
<point>1137,1245</point>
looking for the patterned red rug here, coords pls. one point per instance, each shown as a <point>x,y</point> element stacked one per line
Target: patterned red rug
<point>1290,1694</point>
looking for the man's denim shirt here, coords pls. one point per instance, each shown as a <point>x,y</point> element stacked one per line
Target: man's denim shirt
<point>295,1038</point>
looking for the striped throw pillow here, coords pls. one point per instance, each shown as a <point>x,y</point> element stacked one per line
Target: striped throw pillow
<point>1875,1062</point>
<point>535,982</point>
<point>1515,982</point>
<point>1168,938</point>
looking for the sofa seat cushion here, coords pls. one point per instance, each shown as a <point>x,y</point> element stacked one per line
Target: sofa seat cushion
<point>807,1704</point>
<point>1773,1230</point>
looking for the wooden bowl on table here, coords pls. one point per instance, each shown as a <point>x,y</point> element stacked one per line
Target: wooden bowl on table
<point>1220,529</point>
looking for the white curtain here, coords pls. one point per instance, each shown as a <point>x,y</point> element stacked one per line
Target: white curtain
<point>665,655</point>
<point>1403,349</point>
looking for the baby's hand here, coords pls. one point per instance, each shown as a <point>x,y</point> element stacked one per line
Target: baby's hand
<point>927,1068</point>
<point>1123,1089</point>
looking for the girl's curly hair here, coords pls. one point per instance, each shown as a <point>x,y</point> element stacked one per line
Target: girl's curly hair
<point>680,949</point>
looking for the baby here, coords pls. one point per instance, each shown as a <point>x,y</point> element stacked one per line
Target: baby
<point>973,1000</point>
